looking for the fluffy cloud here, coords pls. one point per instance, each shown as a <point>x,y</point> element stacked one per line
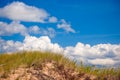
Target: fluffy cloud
<point>101,54</point>
<point>10,46</point>
<point>43,43</point>
<point>30,43</point>
<point>53,19</point>
<point>16,27</point>
<point>12,28</point>
<point>22,12</point>
<point>19,11</point>
<point>66,26</point>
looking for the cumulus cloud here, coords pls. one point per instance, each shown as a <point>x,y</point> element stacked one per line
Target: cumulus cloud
<point>12,28</point>
<point>100,54</point>
<point>65,26</point>
<point>10,46</point>
<point>22,12</point>
<point>42,43</point>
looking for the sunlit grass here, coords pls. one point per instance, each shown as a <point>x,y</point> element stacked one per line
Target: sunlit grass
<point>12,61</point>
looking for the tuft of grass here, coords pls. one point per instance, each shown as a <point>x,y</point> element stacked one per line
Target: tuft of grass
<point>12,61</point>
<point>27,58</point>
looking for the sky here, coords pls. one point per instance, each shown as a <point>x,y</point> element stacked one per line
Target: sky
<point>84,30</point>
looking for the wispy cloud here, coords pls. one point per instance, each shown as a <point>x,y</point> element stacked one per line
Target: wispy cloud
<point>49,31</point>
<point>66,26</point>
<point>34,29</point>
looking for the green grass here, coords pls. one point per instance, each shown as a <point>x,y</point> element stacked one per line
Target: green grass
<point>14,60</point>
<point>27,58</point>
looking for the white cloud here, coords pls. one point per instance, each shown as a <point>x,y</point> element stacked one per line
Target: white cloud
<point>12,28</point>
<point>15,28</point>
<point>45,32</point>
<point>106,61</point>
<point>19,11</point>
<point>22,12</point>
<point>66,26</point>
<point>101,54</point>
<point>34,29</point>
<point>53,19</point>
<point>10,46</point>
<point>30,43</point>
<point>43,43</point>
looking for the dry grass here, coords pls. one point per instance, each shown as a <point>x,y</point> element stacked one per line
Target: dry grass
<point>12,61</point>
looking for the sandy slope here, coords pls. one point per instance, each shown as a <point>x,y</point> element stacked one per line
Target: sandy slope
<point>47,71</point>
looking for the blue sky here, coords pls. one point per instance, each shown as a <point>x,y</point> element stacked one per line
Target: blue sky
<point>68,25</point>
<point>95,21</point>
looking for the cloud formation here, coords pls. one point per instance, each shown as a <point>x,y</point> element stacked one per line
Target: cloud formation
<point>22,12</point>
<point>100,54</point>
<point>66,26</point>
<point>10,46</point>
<point>42,43</point>
<point>15,27</point>
<point>19,11</point>
<point>12,28</point>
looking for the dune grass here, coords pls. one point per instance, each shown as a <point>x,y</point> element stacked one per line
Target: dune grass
<point>12,61</point>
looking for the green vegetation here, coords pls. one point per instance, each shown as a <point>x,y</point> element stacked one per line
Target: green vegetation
<point>28,58</point>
